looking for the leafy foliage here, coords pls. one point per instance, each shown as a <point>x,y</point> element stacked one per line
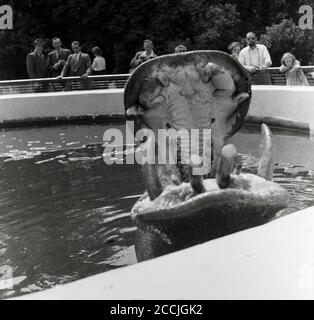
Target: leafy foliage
<point>286,37</point>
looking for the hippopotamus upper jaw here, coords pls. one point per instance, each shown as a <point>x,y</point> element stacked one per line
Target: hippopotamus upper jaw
<point>195,90</point>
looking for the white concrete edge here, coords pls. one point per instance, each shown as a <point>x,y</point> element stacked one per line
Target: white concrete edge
<point>294,103</point>
<point>282,88</point>
<point>273,261</point>
<point>279,102</point>
<point>61,93</point>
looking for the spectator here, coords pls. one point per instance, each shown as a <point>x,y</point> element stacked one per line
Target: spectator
<point>99,64</point>
<point>143,56</point>
<point>57,58</point>
<point>291,67</point>
<point>235,49</point>
<point>256,59</point>
<point>36,63</point>
<point>180,48</point>
<point>77,64</point>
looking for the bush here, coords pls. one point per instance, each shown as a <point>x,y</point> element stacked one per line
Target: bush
<point>287,37</point>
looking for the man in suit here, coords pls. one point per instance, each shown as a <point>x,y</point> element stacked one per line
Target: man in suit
<point>57,58</point>
<point>36,63</point>
<point>77,64</point>
<point>37,66</point>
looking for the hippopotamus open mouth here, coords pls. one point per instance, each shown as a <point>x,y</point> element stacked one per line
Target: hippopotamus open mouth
<point>198,90</point>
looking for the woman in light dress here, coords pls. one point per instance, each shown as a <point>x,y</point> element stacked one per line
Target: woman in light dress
<point>99,64</point>
<point>291,67</point>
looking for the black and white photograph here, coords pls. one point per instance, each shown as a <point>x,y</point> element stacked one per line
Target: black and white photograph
<point>156,150</point>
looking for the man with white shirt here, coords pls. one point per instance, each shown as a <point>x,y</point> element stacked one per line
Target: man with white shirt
<point>256,59</point>
<point>143,56</point>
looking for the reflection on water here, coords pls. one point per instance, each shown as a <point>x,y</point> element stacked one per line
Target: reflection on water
<point>294,154</point>
<point>65,215</point>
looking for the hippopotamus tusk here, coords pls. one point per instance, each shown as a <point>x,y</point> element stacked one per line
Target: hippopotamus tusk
<point>226,166</point>
<point>196,180</point>
<point>267,158</point>
<point>158,176</point>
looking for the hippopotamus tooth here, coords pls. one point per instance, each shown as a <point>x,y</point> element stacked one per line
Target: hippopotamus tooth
<point>249,201</point>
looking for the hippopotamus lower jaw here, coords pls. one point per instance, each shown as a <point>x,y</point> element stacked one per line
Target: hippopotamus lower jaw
<point>244,191</point>
<point>186,214</point>
<point>179,219</point>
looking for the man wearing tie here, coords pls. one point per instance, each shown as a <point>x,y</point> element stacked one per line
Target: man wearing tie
<point>57,58</point>
<point>36,63</point>
<point>37,66</point>
<point>77,64</point>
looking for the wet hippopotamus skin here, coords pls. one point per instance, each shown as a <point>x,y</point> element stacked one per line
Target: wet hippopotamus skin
<point>177,221</point>
<point>197,90</point>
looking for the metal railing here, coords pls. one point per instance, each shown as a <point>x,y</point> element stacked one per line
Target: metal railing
<point>304,68</point>
<point>279,78</point>
<point>64,84</point>
<point>103,82</point>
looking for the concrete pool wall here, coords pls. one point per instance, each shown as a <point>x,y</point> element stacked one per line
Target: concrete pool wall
<point>292,106</point>
<point>274,261</point>
<point>37,108</point>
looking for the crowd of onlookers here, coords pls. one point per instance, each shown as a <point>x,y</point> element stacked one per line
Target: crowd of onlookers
<point>62,63</point>
<point>254,57</point>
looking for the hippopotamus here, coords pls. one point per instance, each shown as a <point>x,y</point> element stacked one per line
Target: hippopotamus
<point>184,206</point>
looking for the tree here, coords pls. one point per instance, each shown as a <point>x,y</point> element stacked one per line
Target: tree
<point>286,37</point>
<point>214,25</point>
<point>119,27</point>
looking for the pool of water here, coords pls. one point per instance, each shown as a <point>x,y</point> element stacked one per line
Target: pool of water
<point>65,215</point>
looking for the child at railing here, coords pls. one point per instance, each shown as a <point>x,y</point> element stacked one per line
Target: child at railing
<point>291,67</point>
